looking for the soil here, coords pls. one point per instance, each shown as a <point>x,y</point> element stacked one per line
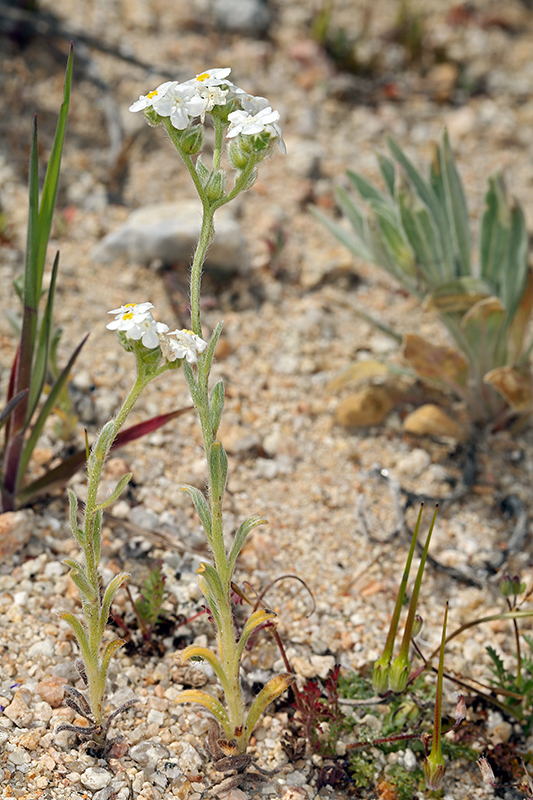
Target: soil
<point>291,325</point>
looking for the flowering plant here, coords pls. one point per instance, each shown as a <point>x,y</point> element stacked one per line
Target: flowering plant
<point>252,130</point>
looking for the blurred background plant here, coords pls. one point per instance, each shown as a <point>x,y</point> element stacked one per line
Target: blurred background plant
<point>418,231</point>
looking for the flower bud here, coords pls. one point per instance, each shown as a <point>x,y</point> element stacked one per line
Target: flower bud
<point>512,586</point>
<point>380,676</point>
<point>399,674</point>
<point>434,770</point>
<point>152,117</point>
<point>418,624</point>
<point>192,139</point>
<point>216,184</point>
<point>240,152</point>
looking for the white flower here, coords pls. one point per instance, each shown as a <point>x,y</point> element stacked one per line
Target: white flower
<point>136,322</point>
<point>211,77</point>
<point>180,102</point>
<point>256,116</point>
<point>186,345</point>
<point>146,101</point>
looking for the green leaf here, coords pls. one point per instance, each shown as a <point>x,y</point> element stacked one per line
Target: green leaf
<point>194,651</point>
<point>115,494</point>
<point>79,577</point>
<point>206,360</point>
<point>110,649</point>
<point>216,406</point>
<point>201,506</point>
<point>423,236</point>
<point>367,190</point>
<point>354,245</point>
<point>351,212</point>
<point>51,180</point>
<point>388,171</point>
<point>4,416</point>
<point>259,618</point>
<point>81,635</point>
<point>209,702</point>
<point>239,539</point>
<point>218,468</point>
<point>456,208</point>
<point>40,365</point>
<point>494,231</point>
<point>109,594</point>
<point>273,689</point>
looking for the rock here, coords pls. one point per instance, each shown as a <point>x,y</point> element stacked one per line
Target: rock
<point>96,778</point>
<point>44,647</point>
<point>16,528</point>
<point>242,16</point>
<point>147,754</point>
<point>31,740</point>
<point>169,232</point>
<point>18,711</point>
<point>442,80</point>
<point>52,690</point>
<point>414,463</point>
<point>430,420</point>
<point>369,406</point>
<point>189,758</point>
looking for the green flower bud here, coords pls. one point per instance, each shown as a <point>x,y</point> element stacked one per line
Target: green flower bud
<point>152,117</point>
<point>240,152</point>
<point>512,586</point>
<point>192,139</point>
<point>399,674</point>
<point>216,184</point>
<point>418,624</point>
<point>380,676</point>
<point>434,770</point>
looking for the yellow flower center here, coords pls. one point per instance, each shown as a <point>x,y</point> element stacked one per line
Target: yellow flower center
<point>152,94</point>
<point>203,77</point>
<point>130,305</point>
<point>186,331</point>
<point>129,315</point>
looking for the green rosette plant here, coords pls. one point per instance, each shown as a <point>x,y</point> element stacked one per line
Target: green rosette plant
<point>417,230</point>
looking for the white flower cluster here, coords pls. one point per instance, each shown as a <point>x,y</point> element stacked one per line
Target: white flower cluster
<point>198,96</point>
<point>135,320</point>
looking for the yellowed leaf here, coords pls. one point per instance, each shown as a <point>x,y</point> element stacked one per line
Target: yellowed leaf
<point>483,310</point>
<point>358,373</point>
<point>515,384</point>
<point>430,361</point>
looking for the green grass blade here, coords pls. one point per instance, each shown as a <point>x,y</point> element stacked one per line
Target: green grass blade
<point>40,365</point>
<point>47,408</point>
<point>4,416</point>
<point>48,199</point>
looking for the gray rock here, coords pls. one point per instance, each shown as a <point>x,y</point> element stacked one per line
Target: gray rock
<point>147,754</point>
<point>244,16</point>
<point>96,778</point>
<point>169,232</point>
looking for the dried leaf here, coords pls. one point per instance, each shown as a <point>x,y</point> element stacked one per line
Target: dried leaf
<point>437,363</point>
<point>357,373</point>
<point>515,384</point>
